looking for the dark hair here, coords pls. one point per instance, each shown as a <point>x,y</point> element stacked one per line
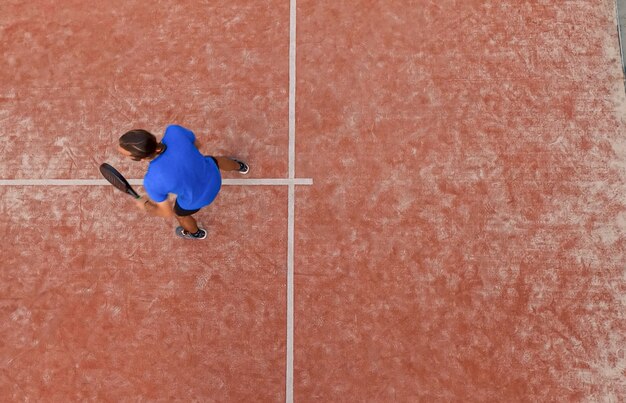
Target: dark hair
<point>139,143</point>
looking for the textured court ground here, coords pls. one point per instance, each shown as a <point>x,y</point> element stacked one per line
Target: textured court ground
<point>463,238</point>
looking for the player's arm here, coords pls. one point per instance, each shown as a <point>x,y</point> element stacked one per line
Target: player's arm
<point>162,209</point>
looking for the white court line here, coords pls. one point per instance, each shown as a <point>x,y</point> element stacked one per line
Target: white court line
<point>292,88</point>
<point>139,182</point>
<point>291,201</point>
<point>290,293</point>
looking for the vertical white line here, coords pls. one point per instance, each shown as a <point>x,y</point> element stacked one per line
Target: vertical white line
<point>292,88</point>
<point>291,202</point>
<point>290,294</point>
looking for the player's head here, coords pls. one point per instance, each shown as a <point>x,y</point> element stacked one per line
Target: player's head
<point>138,144</point>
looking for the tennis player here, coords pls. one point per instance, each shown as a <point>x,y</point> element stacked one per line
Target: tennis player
<point>176,166</point>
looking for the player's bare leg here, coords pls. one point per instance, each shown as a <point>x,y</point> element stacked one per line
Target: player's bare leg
<point>188,223</point>
<point>231,164</point>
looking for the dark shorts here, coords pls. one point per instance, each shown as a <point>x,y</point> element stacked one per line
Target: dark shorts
<point>181,212</point>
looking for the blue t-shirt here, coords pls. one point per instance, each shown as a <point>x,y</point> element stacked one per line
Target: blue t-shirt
<point>182,170</point>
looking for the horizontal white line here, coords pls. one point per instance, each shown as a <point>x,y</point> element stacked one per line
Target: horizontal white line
<point>268,182</point>
<point>139,182</point>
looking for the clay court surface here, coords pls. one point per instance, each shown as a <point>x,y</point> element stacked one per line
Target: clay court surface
<point>435,210</point>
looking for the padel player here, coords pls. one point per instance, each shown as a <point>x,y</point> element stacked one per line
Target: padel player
<point>176,166</point>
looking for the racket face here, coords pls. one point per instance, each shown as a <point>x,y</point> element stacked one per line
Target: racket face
<point>117,180</point>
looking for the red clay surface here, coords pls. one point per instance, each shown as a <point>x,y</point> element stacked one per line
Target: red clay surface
<point>464,238</point>
<point>100,303</point>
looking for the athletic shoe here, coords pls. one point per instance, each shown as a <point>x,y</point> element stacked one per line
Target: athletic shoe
<point>201,234</point>
<point>243,167</point>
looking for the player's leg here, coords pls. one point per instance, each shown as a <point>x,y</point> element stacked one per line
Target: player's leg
<point>188,225</point>
<point>231,164</point>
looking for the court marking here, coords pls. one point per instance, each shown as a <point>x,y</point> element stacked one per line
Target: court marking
<point>291,203</point>
<point>139,182</point>
<point>290,293</point>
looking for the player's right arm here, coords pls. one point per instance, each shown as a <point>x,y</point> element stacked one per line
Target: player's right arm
<point>162,209</point>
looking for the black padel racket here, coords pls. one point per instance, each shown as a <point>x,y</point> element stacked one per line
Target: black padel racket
<point>117,179</point>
